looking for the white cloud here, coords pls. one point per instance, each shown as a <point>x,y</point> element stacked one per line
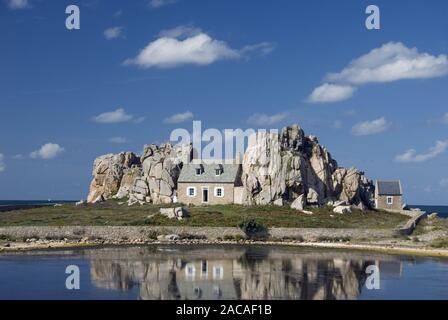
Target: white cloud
<point>114,33</point>
<point>116,116</point>
<point>331,93</point>
<point>118,140</point>
<point>2,164</point>
<point>371,127</point>
<point>412,155</point>
<point>19,156</point>
<point>47,151</point>
<point>179,117</point>
<point>189,45</point>
<point>17,4</point>
<point>445,118</point>
<point>261,119</point>
<point>182,31</point>
<point>155,4</point>
<point>392,61</point>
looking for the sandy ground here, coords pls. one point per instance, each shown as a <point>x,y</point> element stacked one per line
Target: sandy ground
<point>386,246</point>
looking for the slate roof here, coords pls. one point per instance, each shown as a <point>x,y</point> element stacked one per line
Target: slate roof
<point>229,173</point>
<point>389,188</point>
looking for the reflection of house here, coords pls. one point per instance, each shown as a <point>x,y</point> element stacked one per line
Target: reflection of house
<point>236,274</point>
<point>202,184</point>
<point>207,280</point>
<point>388,195</point>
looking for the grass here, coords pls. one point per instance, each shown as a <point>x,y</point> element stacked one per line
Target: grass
<point>441,242</point>
<point>110,213</point>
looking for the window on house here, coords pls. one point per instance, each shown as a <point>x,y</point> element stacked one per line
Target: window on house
<point>218,172</point>
<point>218,272</point>
<point>191,191</point>
<point>190,271</point>
<point>390,200</point>
<point>219,192</point>
<point>198,171</point>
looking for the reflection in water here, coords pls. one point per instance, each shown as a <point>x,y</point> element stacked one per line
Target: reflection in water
<point>234,272</point>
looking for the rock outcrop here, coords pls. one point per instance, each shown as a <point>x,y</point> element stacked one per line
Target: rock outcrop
<point>108,173</point>
<point>149,178</point>
<point>296,169</point>
<point>289,168</point>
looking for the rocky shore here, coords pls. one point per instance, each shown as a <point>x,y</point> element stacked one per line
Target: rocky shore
<point>37,238</point>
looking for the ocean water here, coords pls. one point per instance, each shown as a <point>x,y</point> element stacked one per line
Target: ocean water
<point>32,202</point>
<point>441,210</point>
<point>220,272</point>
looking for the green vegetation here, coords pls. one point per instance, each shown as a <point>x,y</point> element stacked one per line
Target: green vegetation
<point>110,213</point>
<point>441,242</point>
<point>251,226</point>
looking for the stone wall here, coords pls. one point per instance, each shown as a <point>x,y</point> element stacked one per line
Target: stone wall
<point>381,203</point>
<point>212,200</point>
<point>130,233</point>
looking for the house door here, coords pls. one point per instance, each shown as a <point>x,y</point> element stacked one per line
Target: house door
<point>205,195</point>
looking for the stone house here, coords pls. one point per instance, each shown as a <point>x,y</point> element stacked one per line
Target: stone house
<point>388,195</point>
<point>209,184</point>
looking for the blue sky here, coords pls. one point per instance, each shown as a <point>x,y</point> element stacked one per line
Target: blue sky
<point>230,64</point>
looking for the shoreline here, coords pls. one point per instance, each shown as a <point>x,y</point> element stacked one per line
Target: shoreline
<point>394,249</point>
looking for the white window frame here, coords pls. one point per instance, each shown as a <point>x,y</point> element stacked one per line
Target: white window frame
<point>196,171</point>
<point>188,192</point>
<point>218,172</point>
<point>216,192</point>
<point>390,200</point>
<point>218,272</point>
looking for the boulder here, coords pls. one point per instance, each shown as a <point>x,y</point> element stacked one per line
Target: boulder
<point>168,237</point>
<point>299,203</point>
<point>178,213</point>
<point>342,209</point>
<point>108,171</point>
<point>433,215</point>
<point>80,203</point>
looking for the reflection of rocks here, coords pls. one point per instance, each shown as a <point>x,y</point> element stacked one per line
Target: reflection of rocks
<point>232,273</point>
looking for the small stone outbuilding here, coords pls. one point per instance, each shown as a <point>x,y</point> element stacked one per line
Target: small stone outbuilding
<point>388,195</point>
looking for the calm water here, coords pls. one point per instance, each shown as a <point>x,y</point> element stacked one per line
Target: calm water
<point>220,272</point>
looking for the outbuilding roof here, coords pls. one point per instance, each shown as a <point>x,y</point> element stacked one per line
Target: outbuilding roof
<point>228,174</point>
<point>389,188</point>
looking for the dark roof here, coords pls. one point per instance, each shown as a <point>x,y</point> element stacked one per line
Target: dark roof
<point>389,188</point>
<point>229,173</point>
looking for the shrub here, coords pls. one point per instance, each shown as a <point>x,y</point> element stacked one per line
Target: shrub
<point>251,226</point>
<point>152,235</point>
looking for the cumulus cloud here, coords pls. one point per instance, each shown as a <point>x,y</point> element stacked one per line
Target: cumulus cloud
<point>392,61</point>
<point>331,93</point>
<point>188,45</point>
<point>370,127</point>
<point>17,4</point>
<point>261,119</point>
<point>47,151</point>
<point>2,164</point>
<point>118,140</point>
<point>412,155</point>
<point>116,116</point>
<point>155,4</point>
<point>179,117</point>
<point>113,33</point>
